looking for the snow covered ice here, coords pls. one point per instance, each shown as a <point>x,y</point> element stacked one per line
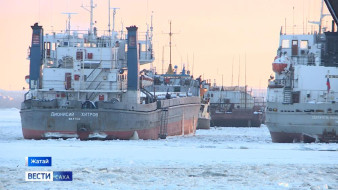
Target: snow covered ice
<point>219,158</point>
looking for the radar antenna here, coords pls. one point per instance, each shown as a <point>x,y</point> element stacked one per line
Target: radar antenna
<point>68,22</point>
<point>114,13</point>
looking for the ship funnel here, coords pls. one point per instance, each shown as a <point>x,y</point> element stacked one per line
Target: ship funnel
<point>36,55</point>
<point>133,59</point>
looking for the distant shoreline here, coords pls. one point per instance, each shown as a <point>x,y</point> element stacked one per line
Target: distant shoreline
<point>11,99</point>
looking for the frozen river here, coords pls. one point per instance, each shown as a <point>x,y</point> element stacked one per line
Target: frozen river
<point>219,158</point>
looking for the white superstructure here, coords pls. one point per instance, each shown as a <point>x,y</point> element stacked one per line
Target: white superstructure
<point>302,100</point>
<point>79,65</point>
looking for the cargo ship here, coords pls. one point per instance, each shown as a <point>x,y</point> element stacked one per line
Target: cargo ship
<point>234,106</point>
<point>302,101</point>
<point>87,86</point>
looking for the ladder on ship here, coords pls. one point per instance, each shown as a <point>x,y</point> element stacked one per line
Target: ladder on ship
<point>287,99</point>
<point>94,94</point>
<point>164,123</point>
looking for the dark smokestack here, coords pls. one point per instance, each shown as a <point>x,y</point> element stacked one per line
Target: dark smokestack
<point>36,55</point>
<point>133,59</point>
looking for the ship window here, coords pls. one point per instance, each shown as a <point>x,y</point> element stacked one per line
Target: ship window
<point>285,43</point>
<point>303,44</point>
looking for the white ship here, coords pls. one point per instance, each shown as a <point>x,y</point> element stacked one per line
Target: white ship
<point>302,102</point>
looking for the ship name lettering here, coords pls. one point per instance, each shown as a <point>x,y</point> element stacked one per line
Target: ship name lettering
<point>62,114</point>
<point>74,119</point>
<point>90,114</point>
<point>324,117</point>
<point>332,76</point>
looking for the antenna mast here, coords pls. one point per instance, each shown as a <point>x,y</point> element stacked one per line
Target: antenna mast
<point>109,16</point>
<point>170,70</point>
<point>245,69</point>
<point>163,60</point>
<point>170,34</point>
<point>114,13</point>
<point>91,10</point>
<point>68,24</point>
<point>239,69</point>
<point>232,71</point>
<point>245,101</point>
<point>193,63</point>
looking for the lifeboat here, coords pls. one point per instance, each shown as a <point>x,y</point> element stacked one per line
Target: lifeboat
<point>279,64</point>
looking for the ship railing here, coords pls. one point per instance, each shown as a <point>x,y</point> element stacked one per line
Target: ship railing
<point>229,106</point>
<point>103,37</point>
<point>304,59</point>
<point>292,30</point>
<point>303,56</point>
<point>280,83</point>
<point>107,85</point>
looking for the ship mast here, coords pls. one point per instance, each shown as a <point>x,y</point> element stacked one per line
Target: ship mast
<point>163,60</point>
<point>170,68</point>
<point>245,101</point>
<point>114,13</point>
<point>170,34</point>
<point>68,23</point>
<point>91,10</point>
<point>319,23</point>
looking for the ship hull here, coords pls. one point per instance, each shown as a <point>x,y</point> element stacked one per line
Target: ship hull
<point>181,119</point>
<point>238,118</point>
<point>302,122</point>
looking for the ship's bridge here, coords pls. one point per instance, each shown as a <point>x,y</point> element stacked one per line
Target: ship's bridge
<point>110,45</point>
<point>300,48</point>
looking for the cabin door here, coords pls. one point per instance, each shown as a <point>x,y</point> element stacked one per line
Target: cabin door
<point>294,47</point>
<point>68,80</point>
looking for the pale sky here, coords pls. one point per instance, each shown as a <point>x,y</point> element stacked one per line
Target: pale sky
<point>216,32</point>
